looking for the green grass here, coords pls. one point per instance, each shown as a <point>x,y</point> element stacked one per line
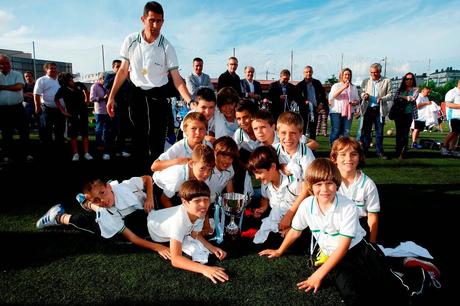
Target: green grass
<point>420,199</point>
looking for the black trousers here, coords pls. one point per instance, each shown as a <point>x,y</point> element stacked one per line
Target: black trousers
<point>149,115</point>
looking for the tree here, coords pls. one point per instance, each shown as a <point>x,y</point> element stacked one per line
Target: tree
<point>438,92</point>
<point>332,80</point>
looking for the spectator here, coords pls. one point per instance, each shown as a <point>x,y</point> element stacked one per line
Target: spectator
<point>229,77</point>
<point>197,78</point>
<point>282,93</point>
<point>250,87</point>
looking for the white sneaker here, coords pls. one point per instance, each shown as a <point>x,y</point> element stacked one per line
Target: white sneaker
<point>125,154</point>
<point>49,219</point>
<point>106,156</point>
<point>445,152</point>
<point>76,157</point>
<point>29,158</point>
<point>88,156</point>
<point>455,153</point>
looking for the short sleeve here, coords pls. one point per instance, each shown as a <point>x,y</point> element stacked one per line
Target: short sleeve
<point>124,51</point>
<point>300,220</point>
<point>372,197</point>
<point>170,179</point>
<point>349,222</point>
<point>171,57</point>
<point>109,224</point>
<point>38,88</point>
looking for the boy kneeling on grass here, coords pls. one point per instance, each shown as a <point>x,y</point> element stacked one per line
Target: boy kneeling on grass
<point>353,264</point>
<point>181,226</point>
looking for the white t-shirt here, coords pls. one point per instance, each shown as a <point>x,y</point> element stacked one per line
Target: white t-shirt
<point>180,149</point>
<point>423,112</point>
<point>171,178</point>
<point>283,196</point>
<point>340,220</point>
<point>453,96</point>
<point>129,197</point>
<point>149,63</point>
<point>364,193</point>
<point>298,163</point>
<point>47,88</point>
<point>222,127</point>
<point>243,140</point>
<point>9,97</point>
<point>218,180</point>
<point>171,223</point>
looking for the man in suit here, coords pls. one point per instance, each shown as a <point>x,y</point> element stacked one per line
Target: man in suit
<point>197,78</point>
<point>281,93</point>
<point>250,87</point>
<point>229,77</point>
<point>311,93</point>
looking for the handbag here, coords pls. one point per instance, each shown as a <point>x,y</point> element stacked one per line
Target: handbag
<point>397,108</point>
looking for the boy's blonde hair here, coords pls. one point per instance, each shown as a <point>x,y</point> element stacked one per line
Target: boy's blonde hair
<point>225,145</point>
<point>291,118</point>
<point>347,142</point>
<point>322,169</point>
<point>203,153</point>
<point>194,116</point>
<point>192,189</point>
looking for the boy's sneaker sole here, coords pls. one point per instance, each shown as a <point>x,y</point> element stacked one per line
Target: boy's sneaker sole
<point>49,219</point>
<point>425,265</point>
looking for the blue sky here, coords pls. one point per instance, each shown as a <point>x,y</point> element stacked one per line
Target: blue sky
<point>414,35</point>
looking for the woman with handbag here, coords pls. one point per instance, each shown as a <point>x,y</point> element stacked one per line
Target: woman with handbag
<point>404,111</point>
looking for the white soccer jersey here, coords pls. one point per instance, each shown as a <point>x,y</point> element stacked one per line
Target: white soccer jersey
<point>297,164</point>
<point>171,178</point>
<point>180,149</point>
<point>364,193</point>
<point>280,200</point>
<point>222,127</point>
<point>171,223</point>
<point>340,220</point>
<point>243,140</point>
<point>453,96</point>
<point>129,197</point>
<point>423,112</point>
<point>218,180</point>
<point>149,63</point>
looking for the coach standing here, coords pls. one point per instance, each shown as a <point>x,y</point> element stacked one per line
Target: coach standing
<point>149,57</point>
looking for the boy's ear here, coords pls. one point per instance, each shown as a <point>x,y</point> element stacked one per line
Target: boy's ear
<point>190,163</point>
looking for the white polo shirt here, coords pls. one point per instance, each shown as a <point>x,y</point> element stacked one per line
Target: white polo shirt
<point>243,140</point>
<point>364,193</point>
<point>171,223</point>
<point>222,127</point>
<point>149,63</point>
<point>180,149</point>
<point>218,180</point>
<point>423,112</point>
<point>340,220</point>
<point>299,162</point>
<point>129,197</point>
<point>171,178</point>
<point>9,97</point>
<point>453,96</point>
<point>283,196</point>
<point>46,88</point>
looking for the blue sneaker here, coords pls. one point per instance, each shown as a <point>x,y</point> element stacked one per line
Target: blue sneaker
<point>417,146</point>
<point>81,199</point>
<point>49,219</point>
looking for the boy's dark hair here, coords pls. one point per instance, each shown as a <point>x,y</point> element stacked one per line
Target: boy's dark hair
<point>64,78</point>
<point>225,145</point>
<point>90,183</point>
<point>264,115</point>
<point>246,105</point>
<point>347,142</point>
<point>291,118</point>
<point>192,189</point>
<point>203,153</point>
<point>197,59</point>
<point>322,169</point>
<point>207,94</point>
<point>48,64</point>
<point>262,158</point>
<point>227,95</point>
<point>117,61</point>
<point>153,6</point>
<point>194,116</point>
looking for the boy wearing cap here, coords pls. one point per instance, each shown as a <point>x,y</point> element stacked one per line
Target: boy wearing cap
<point>118,207</point>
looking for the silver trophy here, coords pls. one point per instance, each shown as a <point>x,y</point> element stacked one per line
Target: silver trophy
<point>233,205</point>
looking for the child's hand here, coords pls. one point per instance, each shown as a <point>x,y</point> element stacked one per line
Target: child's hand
<point>270,253</point>
<point>148,205</point>
<point>164,252</point>
<point>311,283</point>
<point>215,274</point>
<point>210,138</point>
<point>258,212</point>
<point>285,223</point>
<point>221,254</point>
